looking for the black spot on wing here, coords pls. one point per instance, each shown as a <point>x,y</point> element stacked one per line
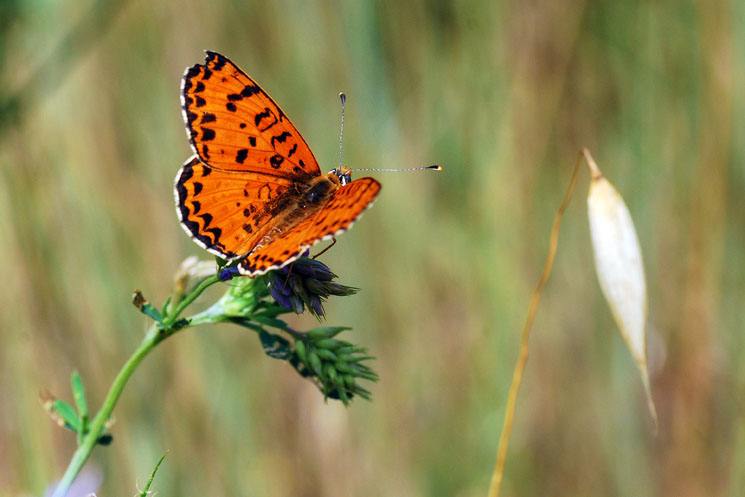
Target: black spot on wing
<point>281,138</point>
<point>207,218</point>
<point>241,155</point>
<point>190,74</point>
<point>208,134</point>
<point>231,107</point>
<point>197,188</point>
<point>261,115</point>
<point>218,60</point>
<point>276,161</point>
<point>207,238</point>
<point>266,114</point>
<point>250,90</point>
<point>187,172</point>
<point>208,118</point>
<point>200,102</point>
<point>252,140</point>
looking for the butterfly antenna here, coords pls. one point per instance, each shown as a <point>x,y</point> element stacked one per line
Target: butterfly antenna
<point>343,99</point>
<point>423,168</point>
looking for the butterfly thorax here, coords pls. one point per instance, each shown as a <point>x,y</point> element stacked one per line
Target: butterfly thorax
<point>306,200</point>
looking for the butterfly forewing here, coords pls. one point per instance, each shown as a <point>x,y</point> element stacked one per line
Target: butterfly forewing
<point>234,125</point>
<point>227,212</point>
<point>342,210</point>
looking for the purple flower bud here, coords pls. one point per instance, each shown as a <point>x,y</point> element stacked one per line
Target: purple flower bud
<point>228,273</point>
<point>315,303</point>
<point>304,284</point>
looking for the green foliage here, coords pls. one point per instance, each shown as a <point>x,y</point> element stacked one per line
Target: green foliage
<point>65,415</point>
<point>237,305</point>
<point>146,491</point>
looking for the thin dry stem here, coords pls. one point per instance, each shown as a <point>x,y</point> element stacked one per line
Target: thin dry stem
<point>522,359</point>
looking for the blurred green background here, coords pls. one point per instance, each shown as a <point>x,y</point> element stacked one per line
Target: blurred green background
<point>502,94</point>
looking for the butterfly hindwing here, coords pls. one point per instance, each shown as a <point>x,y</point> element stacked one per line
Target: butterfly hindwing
<point>234,125</point>
<point>226,212</point>
<point>342,210</point>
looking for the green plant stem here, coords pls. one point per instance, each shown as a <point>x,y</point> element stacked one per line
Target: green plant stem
<point>154,336</point>
<point>96,428</point>
<point>172,317</point>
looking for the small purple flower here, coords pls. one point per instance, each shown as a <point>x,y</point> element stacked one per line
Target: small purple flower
<point>305,284</point>
<point>228,273</point>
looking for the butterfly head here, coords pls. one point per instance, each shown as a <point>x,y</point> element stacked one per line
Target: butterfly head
<point>343,174</point>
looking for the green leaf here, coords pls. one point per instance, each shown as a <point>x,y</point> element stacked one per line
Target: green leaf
<point>274,345</point>
<point>326,331</point>
<point>146,490</point>
<point>246,323</point>
<point>269,321</point>
<point>67,413</point>
<point>150,311</point>
<point>265,309</point>
<point>165,306</point>
<point>78,393</point>
<point>221,263</point>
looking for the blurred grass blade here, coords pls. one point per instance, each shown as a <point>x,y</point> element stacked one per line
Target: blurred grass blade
<point>620,271</point>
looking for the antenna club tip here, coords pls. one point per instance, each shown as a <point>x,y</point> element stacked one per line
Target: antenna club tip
<point>435,167</point>
<point>342,97</point>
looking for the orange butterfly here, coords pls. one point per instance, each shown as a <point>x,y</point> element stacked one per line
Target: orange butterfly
<point>254,192</point>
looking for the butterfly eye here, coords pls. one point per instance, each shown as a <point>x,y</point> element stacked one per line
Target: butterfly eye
<point>343,174</point>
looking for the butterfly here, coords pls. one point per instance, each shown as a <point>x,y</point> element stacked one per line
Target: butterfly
<point>254,192</point>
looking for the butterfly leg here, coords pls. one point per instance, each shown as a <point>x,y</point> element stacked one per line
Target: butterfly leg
<point>324,250</point>
<point>289,272</point>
